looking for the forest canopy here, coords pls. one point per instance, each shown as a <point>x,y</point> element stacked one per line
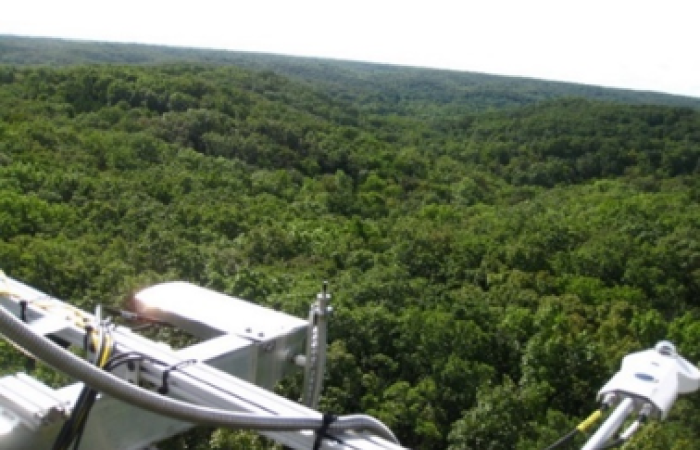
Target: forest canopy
<point>490,264</point>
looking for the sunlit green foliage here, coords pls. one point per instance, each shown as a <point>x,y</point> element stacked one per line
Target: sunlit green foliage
<point>489,270</point>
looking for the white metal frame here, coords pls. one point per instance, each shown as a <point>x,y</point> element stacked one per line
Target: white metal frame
<point>210,382</point>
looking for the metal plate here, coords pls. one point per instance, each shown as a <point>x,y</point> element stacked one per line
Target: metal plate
<point>203,312</point>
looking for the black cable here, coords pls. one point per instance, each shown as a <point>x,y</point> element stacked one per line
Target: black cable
<point>111,364</point>
<point>66,435</point>
<point>73,428</point>
<point>564,440</point>
<point>580,428</point>
<point>163,389</point>
<point>90,401</point>
<point>125,358</point>
<point>122,359</point>
<point>69,430</point>
<point>92,393</point>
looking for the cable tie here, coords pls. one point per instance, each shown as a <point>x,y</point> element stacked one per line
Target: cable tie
<point>166,374</point>
<point>86,339</point>
<point>23,310</point>
<point>30,362</point>
<point>321,433</point>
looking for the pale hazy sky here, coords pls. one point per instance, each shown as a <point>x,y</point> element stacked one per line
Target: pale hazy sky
<point>637,44</point>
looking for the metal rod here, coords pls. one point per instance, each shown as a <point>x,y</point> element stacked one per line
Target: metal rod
<point>610,426</point>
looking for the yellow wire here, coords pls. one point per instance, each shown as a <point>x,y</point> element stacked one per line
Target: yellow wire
<point>107,353</point>
<point>108,350</point>
<point>583,426</point>
<point>104,357</point>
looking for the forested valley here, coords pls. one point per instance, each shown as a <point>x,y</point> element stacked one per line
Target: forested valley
<point>490,262</point>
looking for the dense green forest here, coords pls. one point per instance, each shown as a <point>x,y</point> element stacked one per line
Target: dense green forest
<point>385,88</point>
<point>490,263</point>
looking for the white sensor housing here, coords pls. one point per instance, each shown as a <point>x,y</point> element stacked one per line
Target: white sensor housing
<point>654,376</point>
